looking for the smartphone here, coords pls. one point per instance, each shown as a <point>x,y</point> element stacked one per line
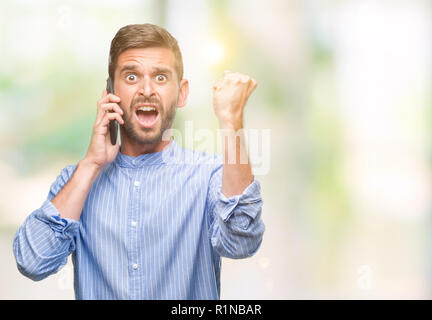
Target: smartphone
<point>113,125</point>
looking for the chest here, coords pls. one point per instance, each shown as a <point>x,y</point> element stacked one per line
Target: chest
<point>150,203</point>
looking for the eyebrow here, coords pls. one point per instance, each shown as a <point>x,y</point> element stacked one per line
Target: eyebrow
<point>131,67</point>
<point>128,68</point>
<point>165,70</point>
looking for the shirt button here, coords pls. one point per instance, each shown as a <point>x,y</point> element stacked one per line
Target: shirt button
<point>134,266</point>
<point>136,183</point>
<point>133,224</point>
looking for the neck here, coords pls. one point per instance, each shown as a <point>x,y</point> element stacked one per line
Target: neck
<point>134,149</point>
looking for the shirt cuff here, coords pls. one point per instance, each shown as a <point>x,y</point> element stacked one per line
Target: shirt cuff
<point>252,194</point>
<point>64,228</point>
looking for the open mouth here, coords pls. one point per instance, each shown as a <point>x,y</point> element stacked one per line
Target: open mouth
<point>147,115</point>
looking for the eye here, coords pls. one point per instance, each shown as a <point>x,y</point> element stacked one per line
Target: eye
<point>131,77</point>
<point>161,78</point>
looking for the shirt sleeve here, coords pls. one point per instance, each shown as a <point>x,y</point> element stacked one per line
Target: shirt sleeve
<point>43,243</point>
<point>236,226</point>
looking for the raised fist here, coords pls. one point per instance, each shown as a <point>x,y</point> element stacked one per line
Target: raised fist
<point>230,95</point>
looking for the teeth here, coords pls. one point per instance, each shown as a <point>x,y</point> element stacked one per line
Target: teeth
<point>147,108</point>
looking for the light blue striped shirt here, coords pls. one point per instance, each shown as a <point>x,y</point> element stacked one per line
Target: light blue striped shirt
<point>152,227</point>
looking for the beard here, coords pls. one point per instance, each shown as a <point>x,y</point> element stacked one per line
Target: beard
<point>149,135</point>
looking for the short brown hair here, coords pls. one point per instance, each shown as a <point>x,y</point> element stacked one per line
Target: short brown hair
<point>143,36</point>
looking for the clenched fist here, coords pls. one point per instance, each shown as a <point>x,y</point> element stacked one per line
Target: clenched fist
<point>230,95</point>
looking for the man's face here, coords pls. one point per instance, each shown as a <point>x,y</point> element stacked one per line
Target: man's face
<point>148,85</point>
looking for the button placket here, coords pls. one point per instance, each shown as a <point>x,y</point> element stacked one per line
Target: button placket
<point>133,234</point>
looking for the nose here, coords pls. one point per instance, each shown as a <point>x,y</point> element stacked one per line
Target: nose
<point>146,87</point>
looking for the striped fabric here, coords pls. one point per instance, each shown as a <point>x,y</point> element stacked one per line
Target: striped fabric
<point>152,227</point>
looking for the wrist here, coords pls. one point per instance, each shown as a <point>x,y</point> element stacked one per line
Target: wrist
<point>92,168</point>
<point>232,124</point>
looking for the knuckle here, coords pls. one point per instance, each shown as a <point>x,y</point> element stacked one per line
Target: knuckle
<point>105,117</point>
<point>107,106</point>
<point>112,97</point>
<point>102,100</point>
<point>103,107</point>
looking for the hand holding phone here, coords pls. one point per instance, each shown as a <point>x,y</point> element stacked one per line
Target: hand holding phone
<point>113,125</point>
<point>102,151</point>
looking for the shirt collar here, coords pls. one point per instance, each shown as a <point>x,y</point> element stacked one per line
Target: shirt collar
<point>148,159</point>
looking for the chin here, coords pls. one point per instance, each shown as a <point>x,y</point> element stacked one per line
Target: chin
<point>149,138</point>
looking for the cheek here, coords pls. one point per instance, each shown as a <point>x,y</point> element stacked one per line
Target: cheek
<point>127,110</point>
<point>170,95</point>
<point>125,102</point>
<point>125,93</point>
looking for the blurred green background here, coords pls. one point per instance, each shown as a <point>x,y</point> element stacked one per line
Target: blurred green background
<point>344,87</point>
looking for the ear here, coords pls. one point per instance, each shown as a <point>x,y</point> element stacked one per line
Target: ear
<point>183,93</point>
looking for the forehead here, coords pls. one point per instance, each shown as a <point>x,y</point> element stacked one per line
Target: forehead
<point>147,58</point>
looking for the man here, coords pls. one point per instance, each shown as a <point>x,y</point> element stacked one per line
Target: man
<point>140,221</point>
